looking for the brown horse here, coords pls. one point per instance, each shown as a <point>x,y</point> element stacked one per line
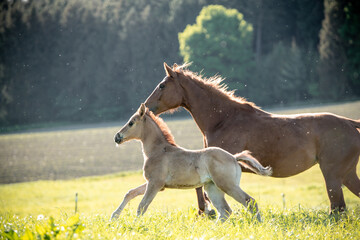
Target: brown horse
<point>290,144</point>
<point>167,165</point>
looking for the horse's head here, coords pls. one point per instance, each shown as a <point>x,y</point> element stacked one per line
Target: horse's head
<point>133,128</point>
<point>168,94</point>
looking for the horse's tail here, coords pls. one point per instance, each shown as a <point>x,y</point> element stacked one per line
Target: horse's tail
<point>246,160</point>
<point>355,123</point>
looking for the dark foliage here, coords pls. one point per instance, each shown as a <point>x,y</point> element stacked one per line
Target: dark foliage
<point>83,61</point>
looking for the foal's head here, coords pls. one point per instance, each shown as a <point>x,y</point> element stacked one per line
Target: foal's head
<point>134,127</point>
<point>168,94</point>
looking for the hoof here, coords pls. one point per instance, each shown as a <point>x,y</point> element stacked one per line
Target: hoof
<point>258,217</point>
<point>211,214</point>
<point>337,210</point>
<point>114,217</point>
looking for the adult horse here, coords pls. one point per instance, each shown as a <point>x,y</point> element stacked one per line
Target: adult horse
<point>290,144</point>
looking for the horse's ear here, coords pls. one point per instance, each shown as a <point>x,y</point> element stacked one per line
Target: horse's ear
<point>141,110</point>
<point>169,71</point>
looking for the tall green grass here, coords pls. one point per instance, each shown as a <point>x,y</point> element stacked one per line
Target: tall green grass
<point>292,208</point>
<point>278,224</point>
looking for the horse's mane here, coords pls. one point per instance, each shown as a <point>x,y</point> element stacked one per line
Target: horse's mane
<point>214,84</point>
<point>163,127</point>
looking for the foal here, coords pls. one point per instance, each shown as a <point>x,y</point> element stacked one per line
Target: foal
<point>167,165</point>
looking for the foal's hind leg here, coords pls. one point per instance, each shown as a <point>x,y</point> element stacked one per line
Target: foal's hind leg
<point>217,198</point>
<point>352,182</point>
<point>243,198</point>
<point>129,195</point>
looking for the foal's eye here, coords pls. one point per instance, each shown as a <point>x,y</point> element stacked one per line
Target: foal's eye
<point>161,86</point>
<point>131,123</point>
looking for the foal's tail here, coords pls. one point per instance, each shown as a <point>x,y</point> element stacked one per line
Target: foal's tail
<point>246,160</point>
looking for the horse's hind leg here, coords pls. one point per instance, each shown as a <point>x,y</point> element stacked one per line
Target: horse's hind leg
<point>335,193</point>
<point>128,196</point>
<point>352,182</point>
<point>217,198</point>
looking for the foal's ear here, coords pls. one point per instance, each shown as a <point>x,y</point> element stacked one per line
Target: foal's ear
<point>169,71</point>
<point>141,110</point>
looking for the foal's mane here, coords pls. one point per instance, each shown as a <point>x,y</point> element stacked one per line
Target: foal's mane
<point>163,127</point>
<point>214,84</point>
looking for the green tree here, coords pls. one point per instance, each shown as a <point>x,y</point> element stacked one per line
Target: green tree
<point>332,70</point>
<point>350,33</point>
<point>285,76</point>
<point>221,42</point>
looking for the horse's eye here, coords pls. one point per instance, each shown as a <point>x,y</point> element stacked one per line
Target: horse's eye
<point>161,86</point>
<point>131,123</point>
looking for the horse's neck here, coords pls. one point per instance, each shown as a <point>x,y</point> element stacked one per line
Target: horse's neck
<point>153,140</point>
<point>208,108</point>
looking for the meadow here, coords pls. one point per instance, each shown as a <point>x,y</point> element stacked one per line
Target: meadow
<point>57,161</point>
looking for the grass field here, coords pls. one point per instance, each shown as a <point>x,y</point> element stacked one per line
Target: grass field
<point>292,208</point>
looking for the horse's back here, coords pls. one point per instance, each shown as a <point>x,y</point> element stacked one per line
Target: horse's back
<point>333,128</point>
<point>289,143</point>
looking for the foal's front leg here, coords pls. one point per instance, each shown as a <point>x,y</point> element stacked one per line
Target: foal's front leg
<point>151,190</point>
<point>130,195</point>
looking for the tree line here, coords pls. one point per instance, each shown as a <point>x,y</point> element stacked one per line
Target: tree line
<point>86,61</point>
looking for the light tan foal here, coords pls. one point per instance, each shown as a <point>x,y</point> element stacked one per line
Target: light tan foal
<point>167,165</point>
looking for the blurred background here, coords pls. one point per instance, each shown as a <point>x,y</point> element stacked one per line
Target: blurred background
<point>83,61</point>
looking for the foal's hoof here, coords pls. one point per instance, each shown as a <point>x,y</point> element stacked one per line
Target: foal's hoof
<point>211,214</point>
<point>258,218</point>
<point>114,217</point>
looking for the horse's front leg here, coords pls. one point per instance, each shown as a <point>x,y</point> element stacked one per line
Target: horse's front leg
<point>128,196</point>
<point>201,200</point>
<point>204,203</point>
<point>151,190</point>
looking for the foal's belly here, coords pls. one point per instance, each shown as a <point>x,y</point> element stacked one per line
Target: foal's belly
<point>185,177</point>
<point>183,186</point>
<point>186,183</point>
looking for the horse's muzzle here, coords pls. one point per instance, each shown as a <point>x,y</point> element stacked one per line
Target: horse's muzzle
<point>118,138</point>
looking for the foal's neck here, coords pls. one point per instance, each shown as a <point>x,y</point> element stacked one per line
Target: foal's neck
<point>153,140</point>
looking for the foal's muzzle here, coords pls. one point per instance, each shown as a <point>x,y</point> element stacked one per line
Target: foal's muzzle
<point>118,138</point>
